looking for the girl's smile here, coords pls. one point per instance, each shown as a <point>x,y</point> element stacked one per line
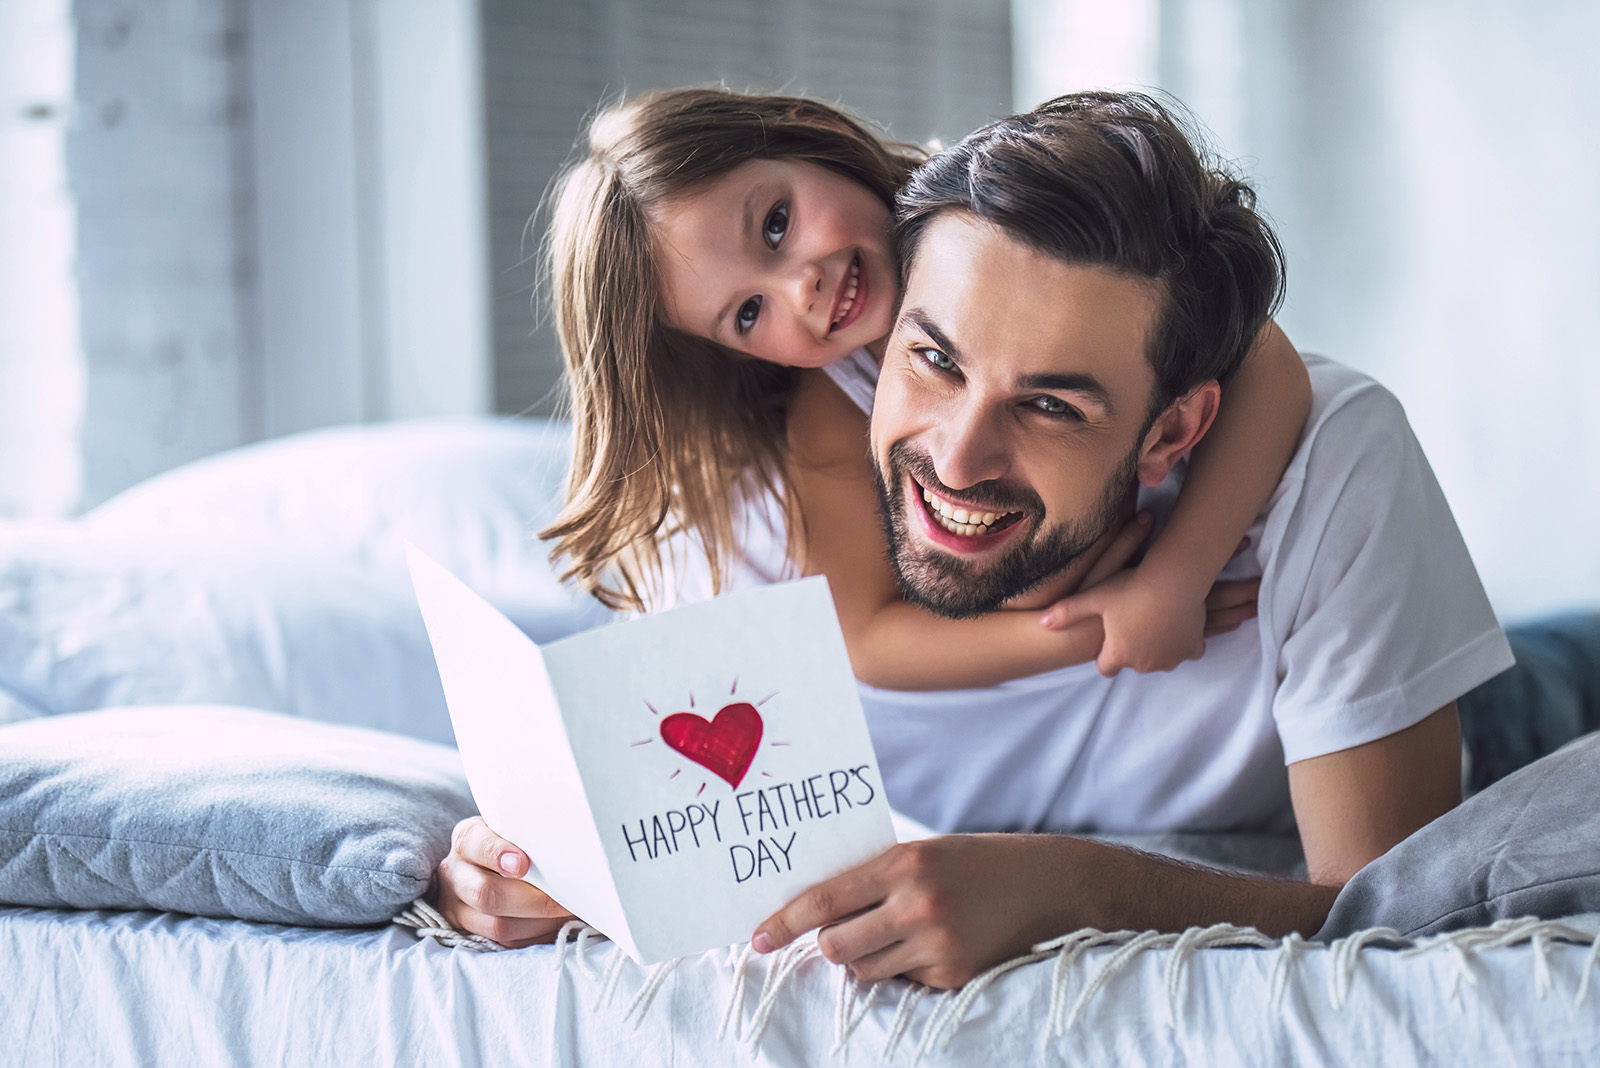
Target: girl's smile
<point>852,297</point>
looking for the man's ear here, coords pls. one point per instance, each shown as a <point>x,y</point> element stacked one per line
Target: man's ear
<point>1178,430</point>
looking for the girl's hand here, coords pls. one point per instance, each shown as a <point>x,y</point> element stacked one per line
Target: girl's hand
<point>480,889</point>
<point>1150,626</point>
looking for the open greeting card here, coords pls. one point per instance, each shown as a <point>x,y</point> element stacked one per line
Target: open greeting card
<point>677,778</point>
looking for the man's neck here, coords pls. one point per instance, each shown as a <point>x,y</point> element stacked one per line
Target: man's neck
<point>1065,582</point>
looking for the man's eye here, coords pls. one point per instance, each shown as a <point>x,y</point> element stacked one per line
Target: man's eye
<point>776,225</point>
<point>937,359</point>
<point>1056,406</point>
<point>746,316</point>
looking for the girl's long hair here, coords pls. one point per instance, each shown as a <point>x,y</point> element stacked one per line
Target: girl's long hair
<point>669,429</point>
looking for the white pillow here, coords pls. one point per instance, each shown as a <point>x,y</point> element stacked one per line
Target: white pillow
<point>91,622</point>
<point>273,576</point>
<point>469,492</point>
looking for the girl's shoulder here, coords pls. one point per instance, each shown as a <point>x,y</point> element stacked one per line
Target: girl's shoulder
<point>826,425</point>
<point>856,375</point>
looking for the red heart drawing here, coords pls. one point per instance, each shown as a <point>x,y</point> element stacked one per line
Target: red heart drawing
<point>726,744</point>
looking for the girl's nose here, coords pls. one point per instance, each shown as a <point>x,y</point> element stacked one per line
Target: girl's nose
<point>804,287</point>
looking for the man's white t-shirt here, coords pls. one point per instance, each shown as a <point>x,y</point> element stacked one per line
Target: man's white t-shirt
<point>1371,616</point>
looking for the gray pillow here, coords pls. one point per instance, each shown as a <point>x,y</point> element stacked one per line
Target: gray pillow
<point>223,811</point>
<point>1527,846</point>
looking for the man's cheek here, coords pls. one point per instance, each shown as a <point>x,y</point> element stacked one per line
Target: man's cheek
<point>884,436</point>
<point>894,421</point>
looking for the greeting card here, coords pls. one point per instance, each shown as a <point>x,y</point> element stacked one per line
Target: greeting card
<point>677,778</point>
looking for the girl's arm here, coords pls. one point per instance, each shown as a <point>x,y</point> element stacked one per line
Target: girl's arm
<point>893,644</point>
<point>1154,614</point>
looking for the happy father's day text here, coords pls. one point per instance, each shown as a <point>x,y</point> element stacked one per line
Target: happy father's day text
<point>769,808</point>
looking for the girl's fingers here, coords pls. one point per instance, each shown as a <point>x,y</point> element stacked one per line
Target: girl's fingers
<point>480,889</point>
<point>1224,620</point>
<point>1069,610</point>
<point>473,840</point>
<point>509,932</point>
<point>513,932</point>
<point>1111,660</point>
<point>490,894</point>
<point>1233,594</point>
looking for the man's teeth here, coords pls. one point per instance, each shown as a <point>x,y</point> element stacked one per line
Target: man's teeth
<point>959,520</point>
<point>849,292</point>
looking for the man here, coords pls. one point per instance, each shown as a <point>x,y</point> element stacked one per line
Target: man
<point>1076,283</point>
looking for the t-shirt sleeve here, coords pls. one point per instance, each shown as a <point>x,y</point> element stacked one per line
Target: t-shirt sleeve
<point>1377,612</point>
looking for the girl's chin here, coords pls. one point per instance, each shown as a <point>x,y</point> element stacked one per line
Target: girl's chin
<point>821,356</point>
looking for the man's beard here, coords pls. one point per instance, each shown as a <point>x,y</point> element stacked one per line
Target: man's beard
<point>944,583</point>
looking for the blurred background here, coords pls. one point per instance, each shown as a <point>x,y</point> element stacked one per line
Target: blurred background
<point>229,220</point>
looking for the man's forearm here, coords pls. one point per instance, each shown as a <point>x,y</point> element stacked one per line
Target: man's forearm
<point>1114,888</point>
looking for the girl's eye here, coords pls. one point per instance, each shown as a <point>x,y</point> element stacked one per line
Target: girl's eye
<point>937,360</point>
<point>776,225</point>
<point>746,316</point>
<point>1057,407</point>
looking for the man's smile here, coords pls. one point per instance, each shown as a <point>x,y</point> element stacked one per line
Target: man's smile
<point>962,526</point>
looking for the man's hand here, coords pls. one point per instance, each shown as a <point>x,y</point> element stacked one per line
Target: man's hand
<point>941,910</point>
<point>944,910</point>
<point>480,889</point>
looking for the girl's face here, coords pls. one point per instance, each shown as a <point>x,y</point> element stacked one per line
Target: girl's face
<point>783,260</point>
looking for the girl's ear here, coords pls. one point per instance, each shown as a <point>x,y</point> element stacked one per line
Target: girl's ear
<point>1178,430</point>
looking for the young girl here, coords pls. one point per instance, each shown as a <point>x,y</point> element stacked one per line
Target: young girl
<point>723,284</point>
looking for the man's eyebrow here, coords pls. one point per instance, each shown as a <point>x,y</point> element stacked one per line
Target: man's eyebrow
<point>747,223</point>
<point>1071,383</point>
<point>920,319</point>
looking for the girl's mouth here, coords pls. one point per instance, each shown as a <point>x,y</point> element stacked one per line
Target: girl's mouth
<point>851,296</point>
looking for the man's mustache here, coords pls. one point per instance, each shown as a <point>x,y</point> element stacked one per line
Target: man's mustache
<point>991,494</point>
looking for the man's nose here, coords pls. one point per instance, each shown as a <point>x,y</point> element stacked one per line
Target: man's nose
<point>970,447</point>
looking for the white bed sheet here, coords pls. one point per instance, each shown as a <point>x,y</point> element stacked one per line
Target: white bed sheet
<point>145,989</point>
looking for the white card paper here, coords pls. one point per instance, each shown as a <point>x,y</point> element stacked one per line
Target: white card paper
<point>675,779</point>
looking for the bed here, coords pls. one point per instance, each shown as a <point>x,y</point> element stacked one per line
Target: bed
<point>146,988</point>
<point>264,591</point>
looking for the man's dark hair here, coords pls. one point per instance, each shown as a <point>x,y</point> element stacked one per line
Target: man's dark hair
<point>1118,180</point>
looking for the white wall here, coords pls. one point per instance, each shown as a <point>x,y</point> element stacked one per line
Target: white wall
<point>434,256</point>
<point>231,220</point>
<point>1432,170</point>
<point>41,361</point>
<point>369,219</point>
<point>166,341</point>
<point>308,154</point>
